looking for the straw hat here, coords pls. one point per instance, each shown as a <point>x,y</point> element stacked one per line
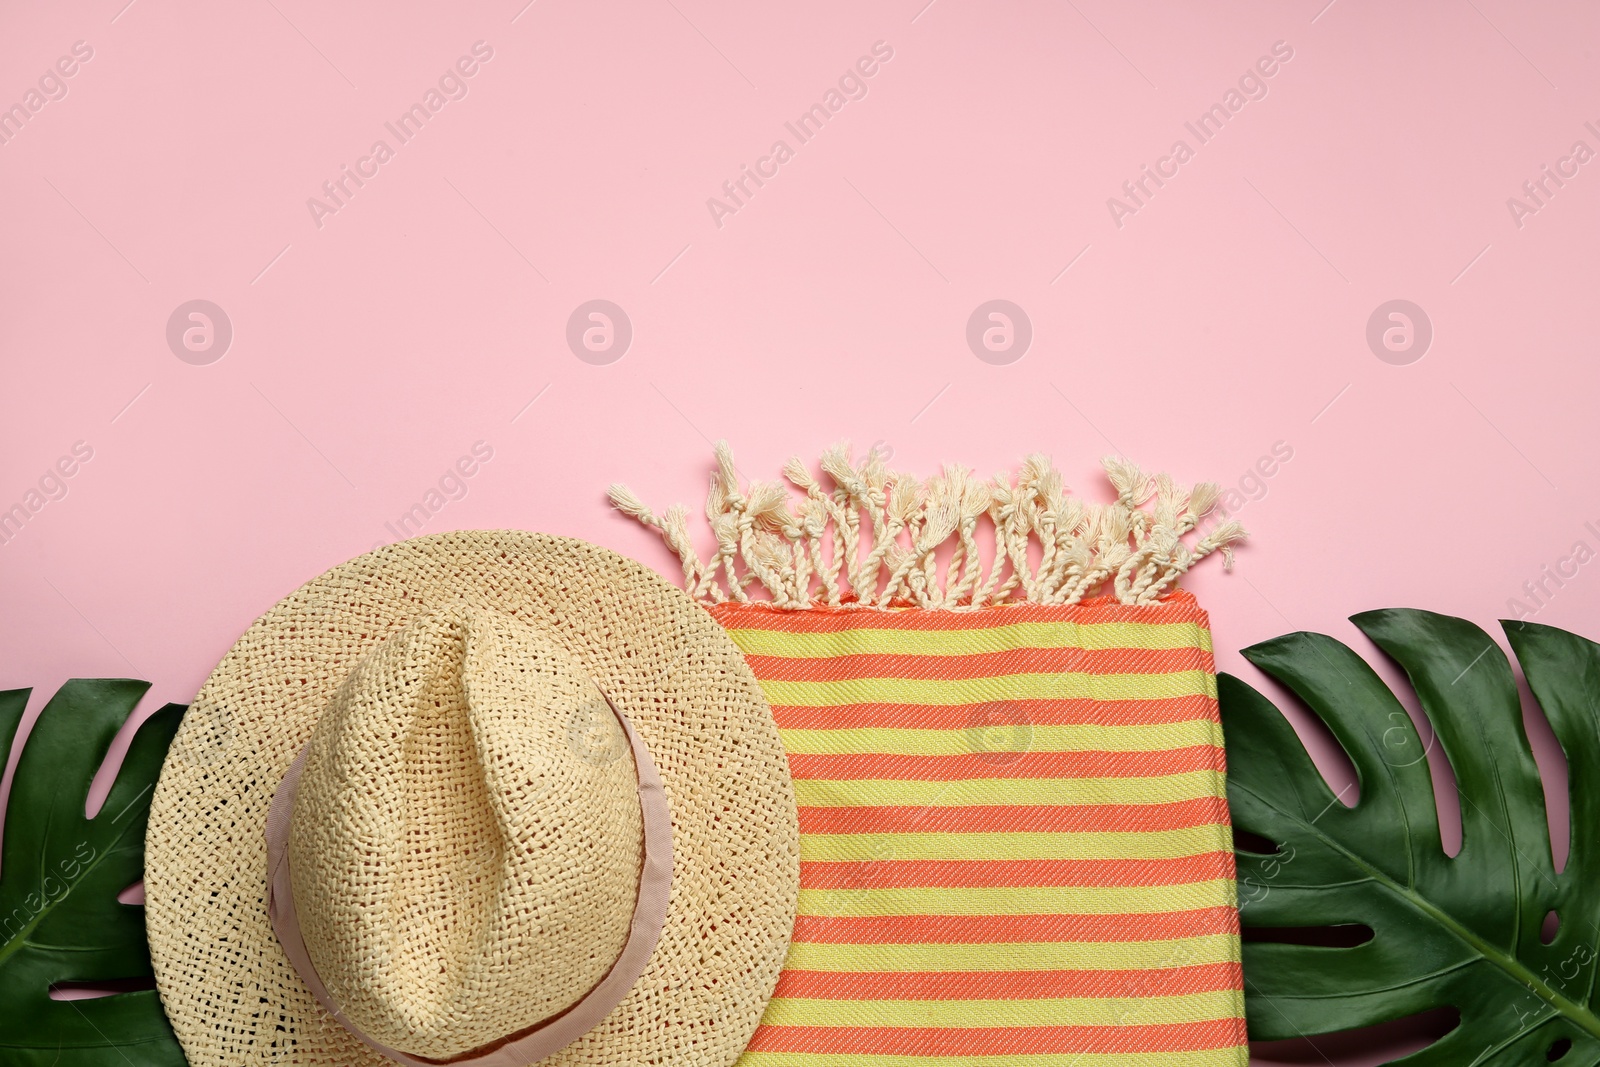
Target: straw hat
<point>489,797</point>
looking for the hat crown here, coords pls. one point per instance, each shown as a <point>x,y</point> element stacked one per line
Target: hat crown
<point>466,840</point>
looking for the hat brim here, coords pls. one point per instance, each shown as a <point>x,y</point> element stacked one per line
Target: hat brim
<point>227,986</point>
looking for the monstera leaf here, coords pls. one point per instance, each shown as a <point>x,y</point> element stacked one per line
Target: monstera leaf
<point>1460,932</point>
<point>60,873</point>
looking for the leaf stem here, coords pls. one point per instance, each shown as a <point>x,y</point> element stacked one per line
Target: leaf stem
<point>16,943</point>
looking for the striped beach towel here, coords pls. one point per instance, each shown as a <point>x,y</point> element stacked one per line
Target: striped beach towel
<point>1015,846</point>
<point>1014,841</point>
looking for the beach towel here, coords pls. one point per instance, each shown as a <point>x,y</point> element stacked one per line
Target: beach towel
<point>1015,846</point>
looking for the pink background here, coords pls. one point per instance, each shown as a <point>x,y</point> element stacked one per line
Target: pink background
<point>1225,315</point>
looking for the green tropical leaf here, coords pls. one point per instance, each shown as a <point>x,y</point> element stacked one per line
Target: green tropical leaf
<point>60,873</point>
<point>1462,931</point>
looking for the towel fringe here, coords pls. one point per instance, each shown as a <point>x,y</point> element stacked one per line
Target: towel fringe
<point>868,537</point>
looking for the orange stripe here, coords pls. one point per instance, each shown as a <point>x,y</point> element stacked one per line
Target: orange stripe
<point>998,1040</point>
<point>1005,818</point>
<point>1011,929</point>
<point>1058,660</point>
<point>1180,606</point>
<point>976,874</point>
<point>1008,985</point>
<point>1045,712</point>
<point>869,766</point>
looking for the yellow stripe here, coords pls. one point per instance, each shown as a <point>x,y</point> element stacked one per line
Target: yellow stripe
<point>1003,737</point>
<point>1062,635</point>
<point>944,692</point>
<point>1132,1010</point>
<point>1224,1057</point>
<point>1039,900</point>
<point>1166,789</point>
<point>1156,844</point>
<point>1047,956</point>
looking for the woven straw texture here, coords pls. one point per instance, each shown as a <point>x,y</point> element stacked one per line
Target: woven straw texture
<point>505,895</point>
<point>1015,847</point>
<point>430,853</point>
